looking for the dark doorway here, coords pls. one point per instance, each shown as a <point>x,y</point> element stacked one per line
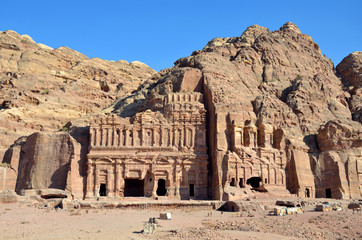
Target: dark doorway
<point>328,193</point>
<point>192,190</point>
<point>307,192</point>
<point>241,182</point>
<point>232,183</point>
<point>161,188</point>
<point>254,182</point>
<point>133,188</point>
<point>103,190</point>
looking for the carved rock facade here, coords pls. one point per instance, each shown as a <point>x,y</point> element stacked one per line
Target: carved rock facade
<point>153,154</point>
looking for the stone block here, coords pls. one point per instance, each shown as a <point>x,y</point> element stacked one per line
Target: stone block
<point>149,228</point>
<point>280,211</point>
<point>324,208</point>
<point>165,216</point>
<point>8,196</point>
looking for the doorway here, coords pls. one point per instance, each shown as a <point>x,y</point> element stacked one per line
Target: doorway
<point>192,190</point>
<point>328,193</point>
<point>232,183</point>
<point>133,188</point>
<point>307,192</point>
<point>103,190</point>
<point>254,182</point>
<point>161,187</point>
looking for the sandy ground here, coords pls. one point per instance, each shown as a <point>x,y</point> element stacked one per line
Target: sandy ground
<point>28,222</point>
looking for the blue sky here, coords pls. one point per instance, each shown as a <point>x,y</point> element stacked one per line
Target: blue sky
<point>159,32</point>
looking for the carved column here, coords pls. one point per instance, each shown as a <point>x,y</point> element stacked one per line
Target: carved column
<point>237,174</point>
<point>154,185</point>
<point>104,136</point>
<point>109,137</point>
<point>96,182</point>
<point>174,137</point>
<point>161,136</point>
<point>245,177</point>
<point>142,136</point>
<point>117,178</point>
<point>125,137</point>
<point>90,182</point>
<point>118,137</point>
<point>121,180</point>
<point>185,179</point>
<point>92,136</point>
<point>134,135</point>
<point>99,136</point>
<point>192,138</point>
<point>153,139</point>
<point>113,143</point>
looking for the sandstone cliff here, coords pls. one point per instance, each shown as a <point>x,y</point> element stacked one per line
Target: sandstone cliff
<point>44,88</point>
<point>350,71</point>
<point>283,79</point>
<point>279,86</point>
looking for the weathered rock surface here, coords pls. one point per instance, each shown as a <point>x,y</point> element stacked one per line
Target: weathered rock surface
<point>8,196</point>
<point>350,70</point>
<point>49,161</point>
<point>277,114</point>
<point>44,88</point>
<point>282,78</point>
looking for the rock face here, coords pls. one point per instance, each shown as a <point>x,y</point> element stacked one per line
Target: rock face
<point>44,88</point>
<point>273,82</point>
<point>350,70</point>
<point>278,119</point>
<point>49,161</point>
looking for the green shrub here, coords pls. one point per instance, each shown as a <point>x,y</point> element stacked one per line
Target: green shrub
<point>7,165</point>
<point>46,91</point>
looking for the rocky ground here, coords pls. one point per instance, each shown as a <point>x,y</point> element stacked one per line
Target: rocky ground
<point>26,221</point>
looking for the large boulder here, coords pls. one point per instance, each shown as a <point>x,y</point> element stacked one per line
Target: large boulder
<point>8,196</point>
<point>51,161</point>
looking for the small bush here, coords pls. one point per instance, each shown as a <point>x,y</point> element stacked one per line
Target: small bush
<point>46,91</point>
<point>7,165</point>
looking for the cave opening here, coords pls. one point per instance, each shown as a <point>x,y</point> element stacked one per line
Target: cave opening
<point>254,182</point>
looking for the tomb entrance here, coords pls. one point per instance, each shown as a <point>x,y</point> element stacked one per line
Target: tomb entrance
<point>161,187</point>
<point>133,188</point>
<point>254,182</point>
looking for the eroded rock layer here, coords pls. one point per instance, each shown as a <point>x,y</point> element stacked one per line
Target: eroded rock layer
<point>277,79</point>
<point>44,88</point>
<point>277,119</point>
